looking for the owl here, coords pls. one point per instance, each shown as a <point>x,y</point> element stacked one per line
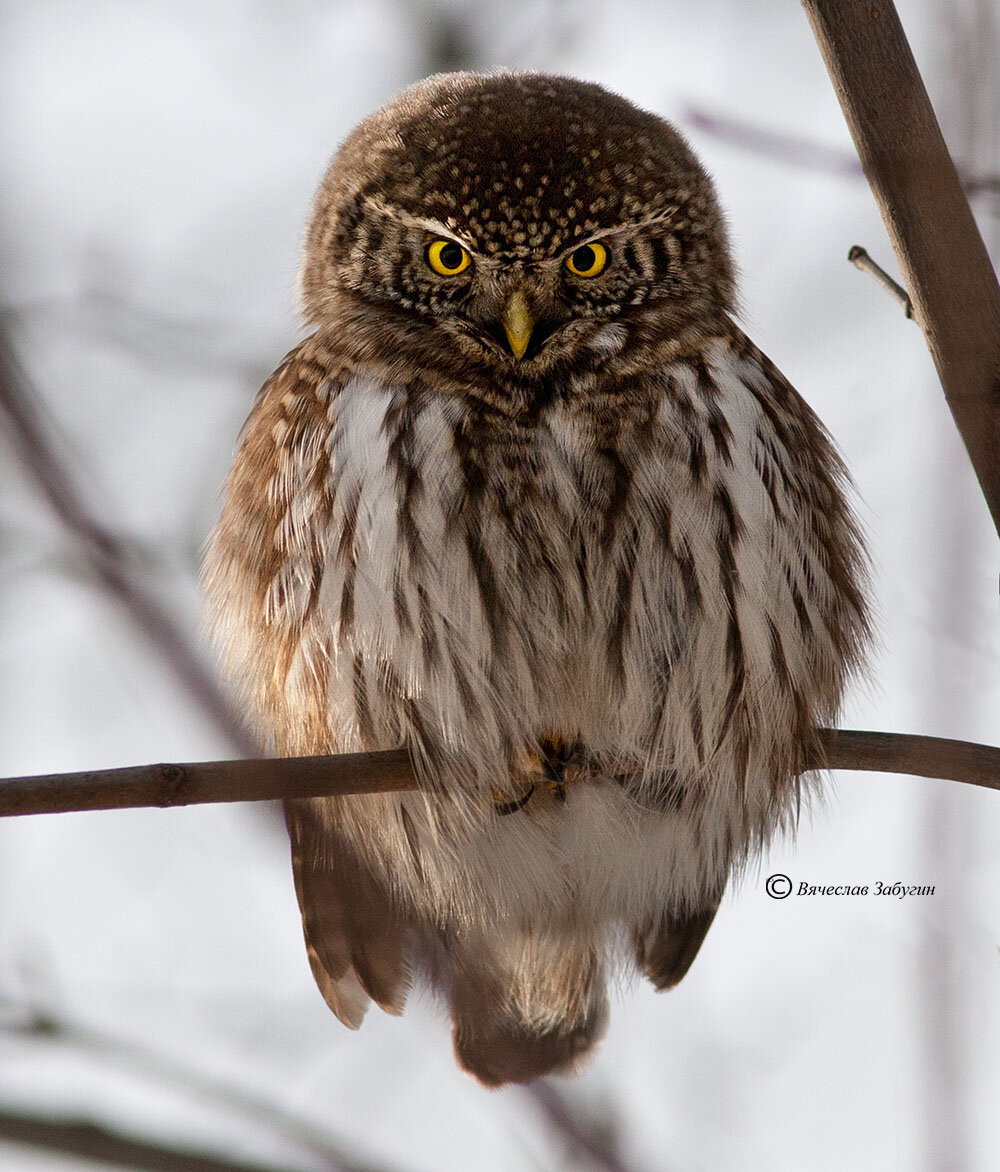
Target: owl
<point>527,503</point>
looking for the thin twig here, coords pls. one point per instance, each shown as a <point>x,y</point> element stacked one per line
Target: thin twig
<point>774,144</point>
<point>104,552</point>
<point>799,151</point>
<point>581,1133</point>
<point>883,752</point>
<point>195,783</point>
<point>365,773</point>
<point>859,257</point>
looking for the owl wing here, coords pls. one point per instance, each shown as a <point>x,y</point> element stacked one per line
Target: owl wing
<point>666,949</point>
<point>354,938</point>
<point>263,573</point>
<point>787,555</point>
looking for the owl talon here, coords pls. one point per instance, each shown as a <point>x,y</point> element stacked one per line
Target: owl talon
<point>558,754</point>
<point>557,788</point>
<point>512,807</point>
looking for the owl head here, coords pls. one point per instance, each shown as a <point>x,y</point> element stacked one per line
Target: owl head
<point>512,225</point>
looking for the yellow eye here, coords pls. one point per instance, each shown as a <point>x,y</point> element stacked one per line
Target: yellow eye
<point>588,260</point>
<point>448,258</point>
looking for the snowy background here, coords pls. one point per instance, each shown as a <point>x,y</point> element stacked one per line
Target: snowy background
<point>157,162</point>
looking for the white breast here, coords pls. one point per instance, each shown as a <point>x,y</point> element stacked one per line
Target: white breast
<point>523,647</point>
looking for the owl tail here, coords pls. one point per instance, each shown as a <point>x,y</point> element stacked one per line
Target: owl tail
<point>534,1007</point>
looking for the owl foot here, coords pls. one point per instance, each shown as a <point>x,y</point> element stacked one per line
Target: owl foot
<point>556,761</point>
<point>503,808</point>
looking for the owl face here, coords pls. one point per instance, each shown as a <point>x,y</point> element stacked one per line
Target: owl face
<point>512,225</point>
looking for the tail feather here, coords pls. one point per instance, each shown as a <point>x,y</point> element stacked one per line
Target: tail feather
<point>343,994</point>
<point>354,938</point>
<point>525,1002</point>
<point>540,1015</point>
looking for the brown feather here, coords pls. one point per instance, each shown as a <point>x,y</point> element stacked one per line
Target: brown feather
<point>353,935</point>
<point>540,1017</point>
<point>666,950</point>
<point>499,1049</point>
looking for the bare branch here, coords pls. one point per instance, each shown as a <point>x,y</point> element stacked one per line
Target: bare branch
<point>859,257</point>
<point>104,552</point>
<point>582,1135</point>
<point>941,254</point>
<point>195,783</point>
<point>774,144</point>
<point>882,752</point>
<point>276,778</point>
<point>32,1023</point>
<point>93,1143</point>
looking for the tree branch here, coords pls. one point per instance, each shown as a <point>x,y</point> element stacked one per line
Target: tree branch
<point>91,1142</point>
<point>859,257</point>
<point>944,263</point>
<point>103,552</point>
<point>882,752</point>
<point>27,1022</point>
<point>802,152</point>
<point>196,783</point>
<point>586,1135</point>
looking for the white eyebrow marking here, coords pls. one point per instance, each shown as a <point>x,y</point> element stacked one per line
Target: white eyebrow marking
<point>426,224</point>
<point>663,217</point>
<point>437,228</point>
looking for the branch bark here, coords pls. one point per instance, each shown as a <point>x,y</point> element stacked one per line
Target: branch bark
<point>278,778</point>
<point>942,257</point>
<point>196,783</point>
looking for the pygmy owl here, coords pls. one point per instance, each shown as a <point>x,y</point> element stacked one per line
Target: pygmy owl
<point>529,504</point>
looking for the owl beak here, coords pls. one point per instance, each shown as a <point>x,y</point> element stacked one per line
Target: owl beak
<point>517,324</point>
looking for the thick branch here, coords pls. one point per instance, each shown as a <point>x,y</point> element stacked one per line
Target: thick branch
<point>941,255</point>
<point>367,773</point>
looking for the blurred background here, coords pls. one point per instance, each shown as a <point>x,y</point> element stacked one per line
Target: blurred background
<point>157,162</point>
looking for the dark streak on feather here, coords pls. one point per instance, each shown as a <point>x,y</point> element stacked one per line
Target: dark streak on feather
<point>362,707</point>
<point>718,424</point>
<point>412,841</point>
<point>624,587</point>
<point>429,644</point>
<point>689,576</point>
